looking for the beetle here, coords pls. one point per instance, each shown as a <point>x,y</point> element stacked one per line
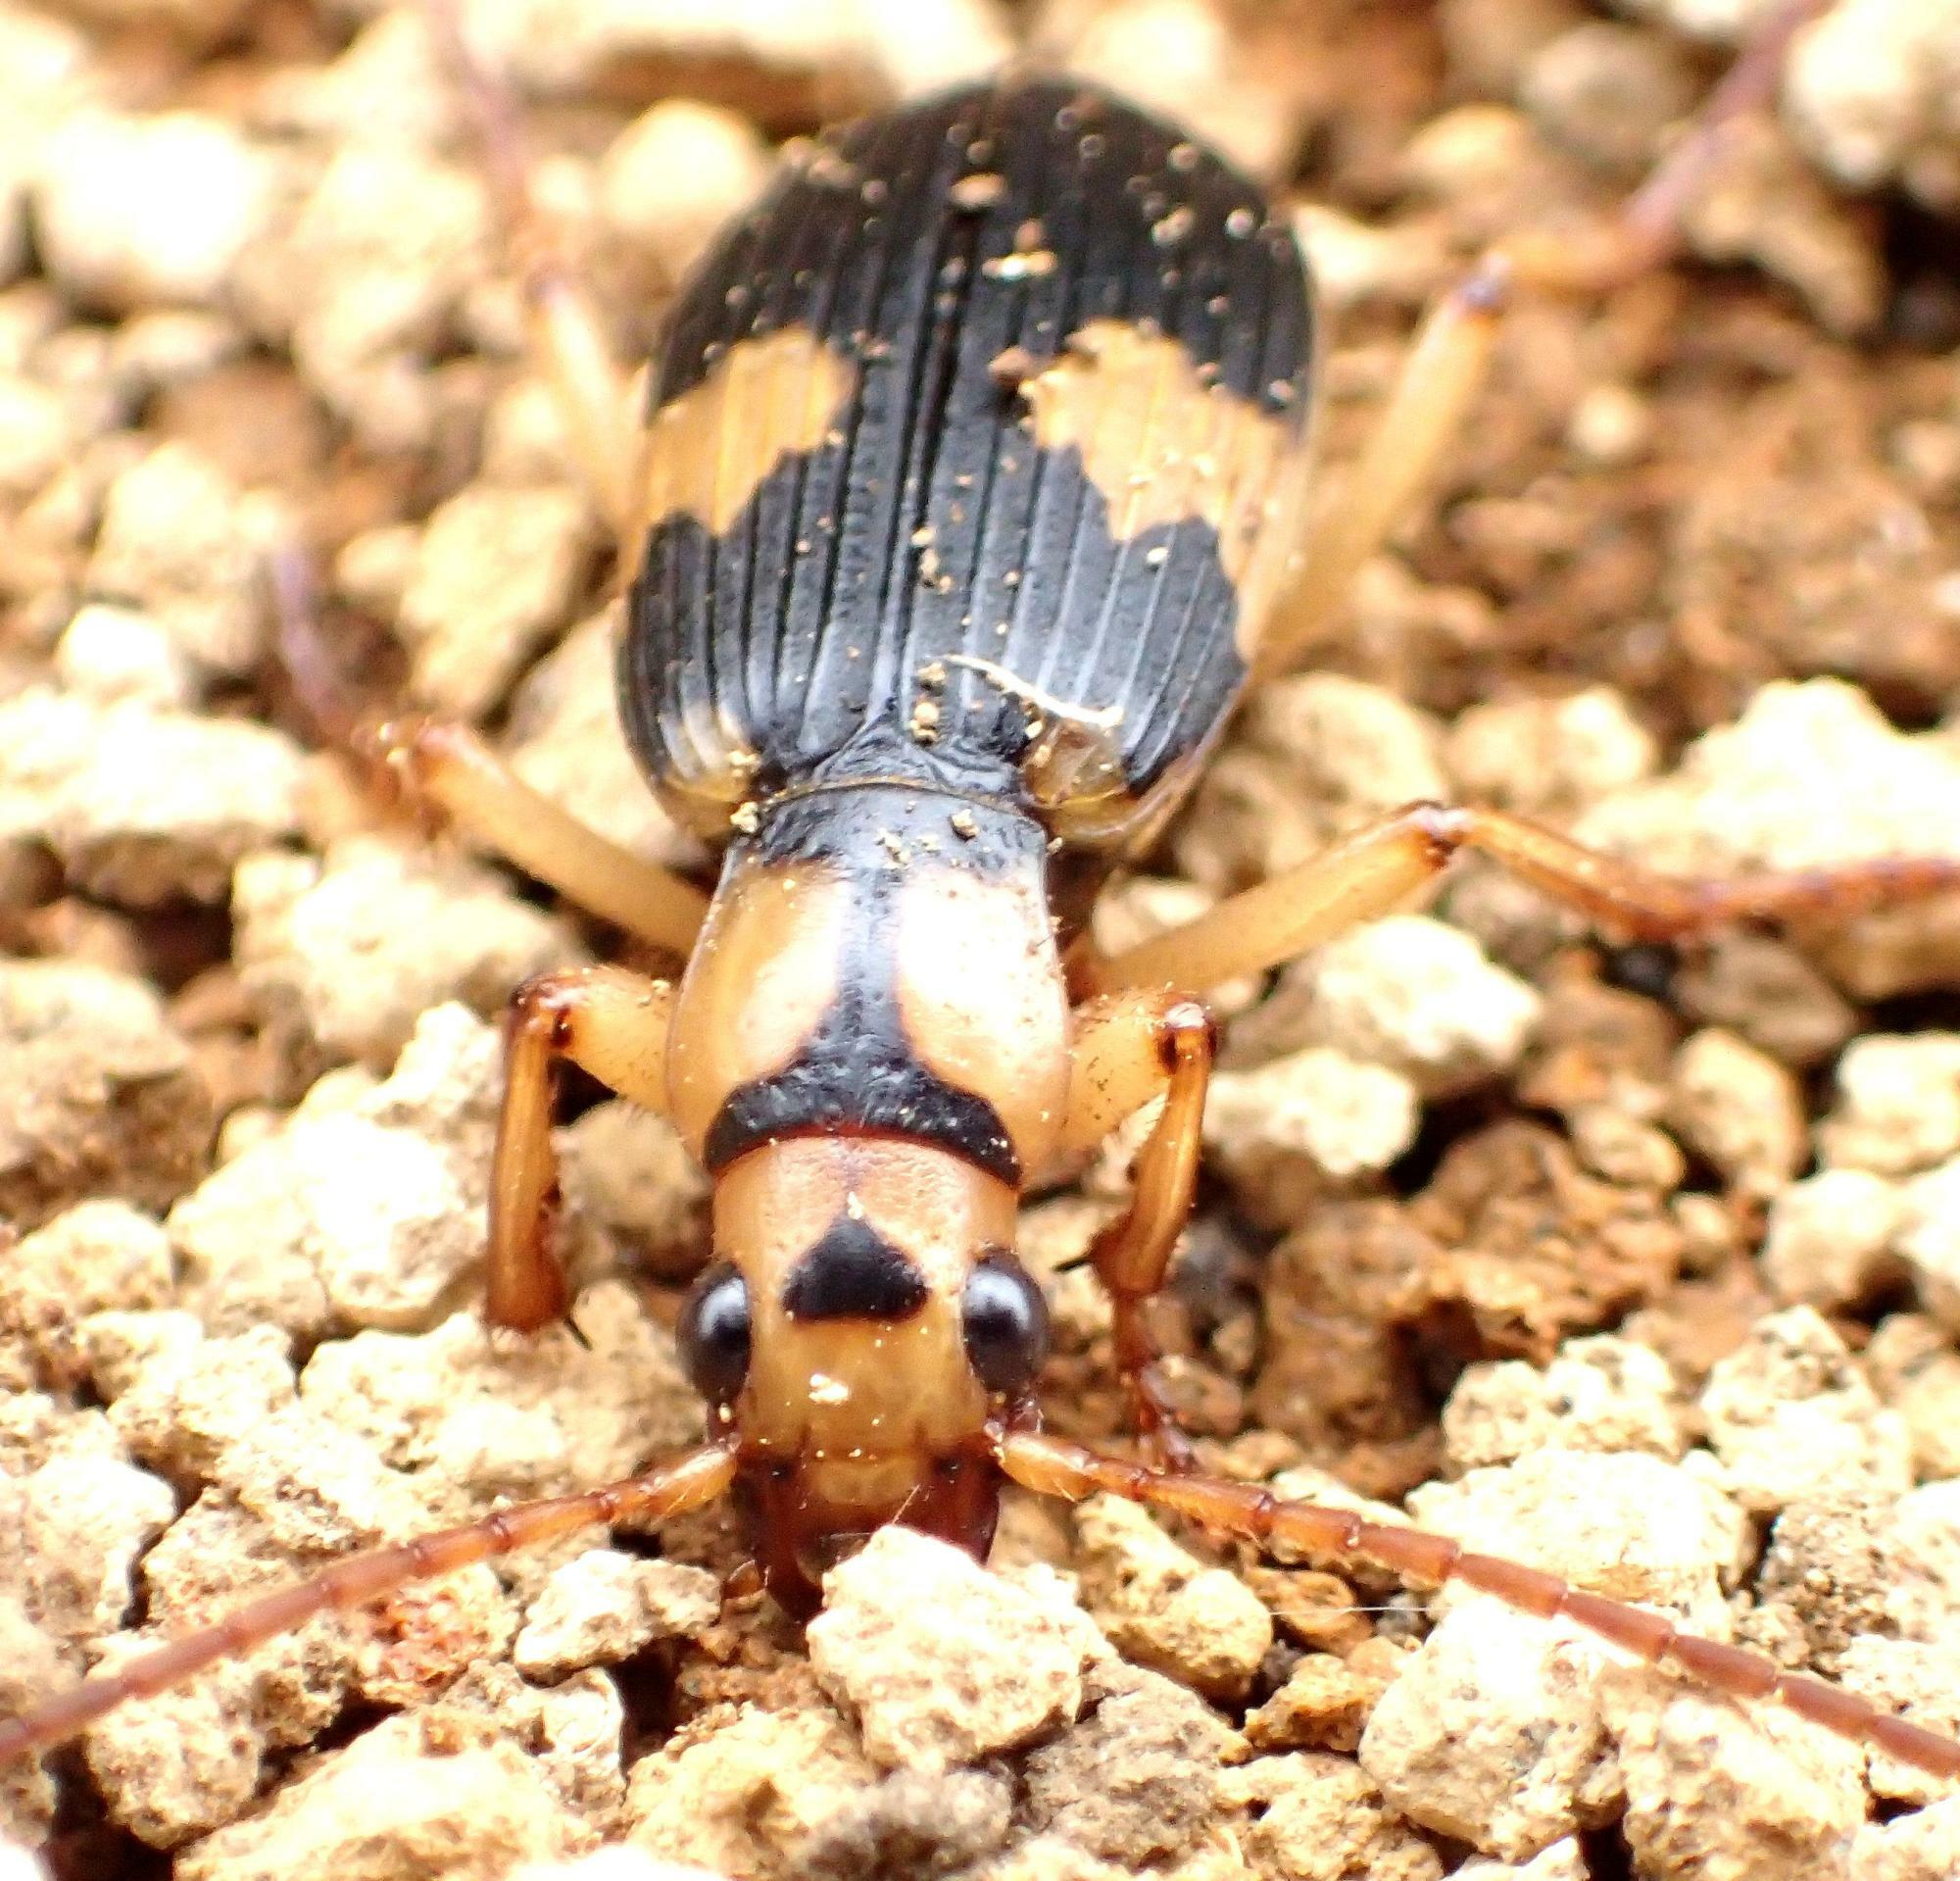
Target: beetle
<point>970,503</point>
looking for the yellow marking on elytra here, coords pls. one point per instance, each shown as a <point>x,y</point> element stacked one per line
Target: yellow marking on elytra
<point>710,448</point>
<point>1162,444</point>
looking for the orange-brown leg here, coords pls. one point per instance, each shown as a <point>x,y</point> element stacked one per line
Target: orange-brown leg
<point>1450,358</point>
<point>607,1022</point>
<point>437,763</point>
<point>1648,227</point>
<point>1129,1050</point>
<point>1053,1467</point>
<point>446,774</point>
<point>657,1494</point>
<point>1446,368</point>
<point>1380,867</point>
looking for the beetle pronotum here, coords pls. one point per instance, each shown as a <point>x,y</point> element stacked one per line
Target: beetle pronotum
<point>970,503</point>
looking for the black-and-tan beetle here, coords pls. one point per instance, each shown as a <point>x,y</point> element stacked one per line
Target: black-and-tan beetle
<point>971,500</point>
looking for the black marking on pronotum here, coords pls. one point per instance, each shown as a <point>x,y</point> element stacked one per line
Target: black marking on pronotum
<point>856,1074</point>
<point>857,1071</point>
<point>853,1272</point>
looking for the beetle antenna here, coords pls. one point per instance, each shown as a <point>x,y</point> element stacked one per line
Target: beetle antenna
<point>670,1489</point>
<point>1054,1466</point>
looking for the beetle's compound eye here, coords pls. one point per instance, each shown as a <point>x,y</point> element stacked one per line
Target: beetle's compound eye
<point>714,1333</point>
<point>1003,1316</point>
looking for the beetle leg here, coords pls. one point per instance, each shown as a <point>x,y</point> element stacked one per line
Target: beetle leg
<point>1450,358</point>
<point>1377,868</point>
<point>657,1494</point>
<point>1648,230</point>
<point>1054,1466</point>
<point>437,762</point>
<point>1129,1050</point>
<point>1444,370</point>
<point>610,1023</point>
<point>568,338</point>
<point>435,766</point>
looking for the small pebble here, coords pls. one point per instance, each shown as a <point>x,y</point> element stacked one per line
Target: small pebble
<point>468,1407</point>
<point>359,1213</point>
<point>1915,1369</point>
<point>745,1795</point>
<point>1604,1393</point>
<point>1178,58</point>
<point>114,652</point>
<point>369,281</point>
<point>629,1171</point>
<point>1621,1523</point>
<point>39,428</point>
<point>942,1662</point>
<point>1611,426</point>
<point>1870,92</point>
<point>83,1524</point>
<point>1406,993</point>
<point>1922,1847</point>
<point>497,570</point>
<point>604,1606</point>
<point>671,179</point>
<point>1162,1608</point>
<point>1318,1816</point>
<point>1723,1792</point>
<point>619,1862</point>
<point>1740,1109</point>
<point>1548,757</point>
<point>1358,749</point>
<point>1470,150</point>
<point>1898,1104</point>
<point>99,1097</point>
<point>565,740</point>
<point>1766,792</point>
<point>1248,821</point>
<point>393,1807</point>
<point>1928,1240</point>
<point>137,211</point>
<point>1763,989</point>
<point>350,951</point>
<point>1490,1734</point>
<point>98,1256</point>
<point>180,543</point>
<point>1828,1242</point>
<point>1324,1704</point>
<point>1918,1681</point>
<point>1565,1860</point>
<point>140,805</point>
<point>1791,1416</point>
<point>1283,1132</point>
<point>1141,1781</point>
<point>1625,1150</point>
<point>1609,92</point>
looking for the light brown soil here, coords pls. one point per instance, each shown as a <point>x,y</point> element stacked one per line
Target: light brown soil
<point>245,1108</point>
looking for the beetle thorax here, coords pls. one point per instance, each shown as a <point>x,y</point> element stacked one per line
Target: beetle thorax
<point>880,960</point>
<point>870,1049</point>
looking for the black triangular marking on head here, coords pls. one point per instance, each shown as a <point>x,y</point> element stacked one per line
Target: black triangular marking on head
<point>852,1272</point>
